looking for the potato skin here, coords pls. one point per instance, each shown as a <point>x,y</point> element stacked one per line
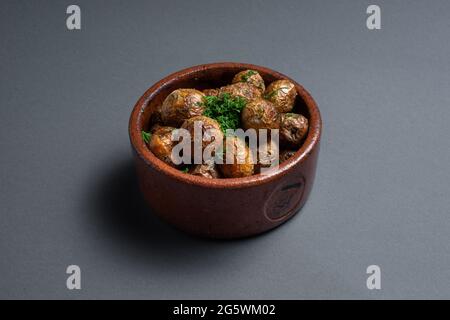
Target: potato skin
<point>260,114</point>
<point>282,94</point>
<point>161,144</point>
<point>286,154</point>
<point>251,77</point>
<point>181,104</point>
<point>206,124</point>
<point>237,170</point>
<point>293,128</point>
<point>207,170</point>
<point>271,156</point>
<point>238,89</point>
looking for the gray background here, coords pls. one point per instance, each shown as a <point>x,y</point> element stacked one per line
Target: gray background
<point>68,191</point>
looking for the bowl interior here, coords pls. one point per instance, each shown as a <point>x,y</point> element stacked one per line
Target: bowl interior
<point>208,79</point>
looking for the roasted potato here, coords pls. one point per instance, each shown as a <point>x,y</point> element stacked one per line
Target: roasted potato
<point>293,128</point>
<point>211,92</point>
<point>260,114</point>
<point>282,94</point>
<point>161,144</point>
<point>239,162</point>
<point>180,105</point>
<point>251,77</point>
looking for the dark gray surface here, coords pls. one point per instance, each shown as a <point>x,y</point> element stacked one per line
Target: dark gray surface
<point>68,193</point>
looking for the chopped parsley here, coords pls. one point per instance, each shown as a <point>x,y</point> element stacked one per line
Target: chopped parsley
<point>225,109</point>
<point>146,136</point>
<point>185,170</point>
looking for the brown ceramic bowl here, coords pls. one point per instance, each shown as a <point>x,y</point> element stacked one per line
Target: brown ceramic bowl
<point>223,208</point>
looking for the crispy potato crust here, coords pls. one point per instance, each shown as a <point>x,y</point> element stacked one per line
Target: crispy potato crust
<point>180,105</point>
<point>251,77</point>
<point>161,144</point>
<point>282,94</point>
<point>239,152</point>
<point>260,114</point>
<point>293,128</point>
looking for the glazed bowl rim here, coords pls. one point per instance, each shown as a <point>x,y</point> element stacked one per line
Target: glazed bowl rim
<point>136,126</point>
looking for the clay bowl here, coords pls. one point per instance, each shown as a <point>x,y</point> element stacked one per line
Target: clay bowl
<point>223,208</point>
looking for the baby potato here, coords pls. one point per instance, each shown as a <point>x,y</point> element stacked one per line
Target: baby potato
<point>260,114</point>
<point>282,94</point>
<point>207,170</point>
<point>209,131</point>
<point>251,77</point>
<point>242,160</point>
<point>180,105</point>
<point>161,144</point>
<point>293,128</point>
<point>241,89</point>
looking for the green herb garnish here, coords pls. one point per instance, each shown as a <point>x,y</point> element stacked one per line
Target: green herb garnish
<point>185,170</point>
<point>247,75</point>
<point>225,109</point>
<point>146,136</point>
